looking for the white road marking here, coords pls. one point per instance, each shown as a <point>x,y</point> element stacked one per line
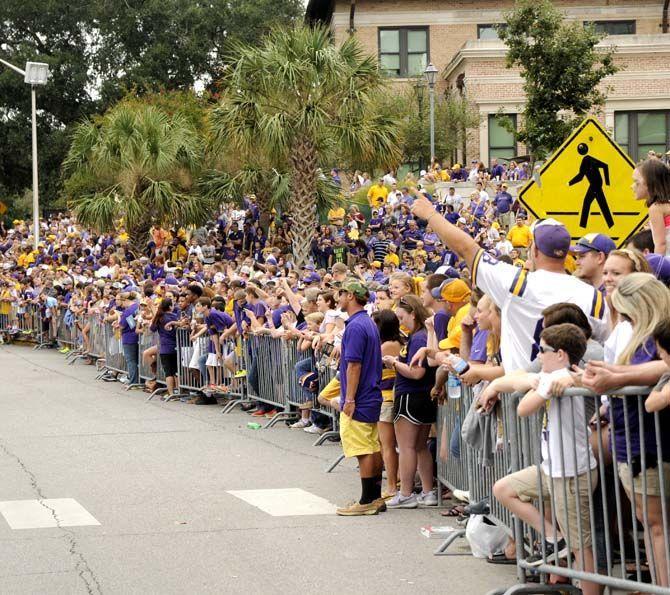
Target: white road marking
<point>285,502</point>
<point>37,514</point>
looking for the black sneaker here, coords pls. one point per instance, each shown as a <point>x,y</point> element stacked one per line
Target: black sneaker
<point>537,559</point>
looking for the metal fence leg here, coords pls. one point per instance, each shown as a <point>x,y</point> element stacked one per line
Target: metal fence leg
<point>335,463</point>
<point>330,435</point>
<point>277,417</point>
<point>158,391</point>
<point>228,407</point>
<point>444,546</point>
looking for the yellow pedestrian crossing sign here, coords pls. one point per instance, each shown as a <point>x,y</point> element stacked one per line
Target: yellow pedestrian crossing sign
<point>586,184</point>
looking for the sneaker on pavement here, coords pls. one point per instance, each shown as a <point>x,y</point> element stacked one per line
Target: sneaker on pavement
<point>427,499</point>
<point>357,509</point>
<point>400,501</point>
<point>258,413</point>
<point>550,548</point>
<point>271,413</point>
<point>315,430</point>
<point>301,424</point>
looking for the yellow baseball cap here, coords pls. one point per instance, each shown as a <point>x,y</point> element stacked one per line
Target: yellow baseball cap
<point>452,290</point>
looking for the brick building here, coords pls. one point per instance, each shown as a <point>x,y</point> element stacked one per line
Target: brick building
<point>458,37</point>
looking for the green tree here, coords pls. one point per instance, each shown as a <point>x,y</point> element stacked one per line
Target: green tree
<point>454,115</point>
<point>561,67</point>
<point>300,100</point>
<point>139,165</point>
<point>99,50</point>
<point>172,44</point>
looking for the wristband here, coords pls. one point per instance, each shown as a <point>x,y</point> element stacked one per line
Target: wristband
<point>347,401</point>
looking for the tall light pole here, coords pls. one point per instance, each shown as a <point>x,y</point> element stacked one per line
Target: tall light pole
<point>418,87</point>
<point>431,74</point>
<point>36,73</point>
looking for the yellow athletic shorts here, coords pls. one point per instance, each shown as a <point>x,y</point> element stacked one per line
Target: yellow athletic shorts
<point>358,438</point>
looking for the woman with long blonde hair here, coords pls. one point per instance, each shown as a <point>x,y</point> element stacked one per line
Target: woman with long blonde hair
<point>644,301</point>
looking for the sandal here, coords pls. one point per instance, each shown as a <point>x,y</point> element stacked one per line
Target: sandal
<point>500,558</point>
<point>454,511</point>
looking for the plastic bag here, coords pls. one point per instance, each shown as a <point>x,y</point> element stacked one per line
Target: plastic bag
<point>484,537</point>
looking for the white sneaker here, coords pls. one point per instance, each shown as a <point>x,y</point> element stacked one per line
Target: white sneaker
<point>400,501</point>
<point>301,424</point>
<point>427,498</point>
<point>315,430</point>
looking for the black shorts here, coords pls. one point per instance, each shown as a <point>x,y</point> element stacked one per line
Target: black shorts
<point>417,408</point>
<point>169,364</point>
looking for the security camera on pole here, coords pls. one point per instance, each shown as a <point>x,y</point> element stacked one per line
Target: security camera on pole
<point>36,73</point>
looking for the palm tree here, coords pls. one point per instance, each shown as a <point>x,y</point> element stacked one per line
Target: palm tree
<point>138,163</point>
<point>299,100</point>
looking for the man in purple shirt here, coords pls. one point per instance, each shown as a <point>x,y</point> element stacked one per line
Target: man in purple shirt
<point>361,398</point>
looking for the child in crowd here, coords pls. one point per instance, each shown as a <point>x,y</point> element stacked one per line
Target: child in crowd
<point>567,474</point>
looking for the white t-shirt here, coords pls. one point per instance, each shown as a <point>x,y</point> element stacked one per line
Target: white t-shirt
<point>504,246</point>
<point>522,296</point>
<point>618,340</point>
<point>564,428</point>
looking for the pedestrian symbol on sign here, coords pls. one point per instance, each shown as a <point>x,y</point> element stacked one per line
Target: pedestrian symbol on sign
<point>586,185</point>
<point>590,169</point>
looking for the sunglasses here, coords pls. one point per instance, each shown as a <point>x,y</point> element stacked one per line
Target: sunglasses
<point>546,349</point>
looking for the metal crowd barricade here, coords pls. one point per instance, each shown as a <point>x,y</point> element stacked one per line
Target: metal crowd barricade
<point>187,355</point>
<point>95,348</point>
<point>150,369</point>
<point>66,330</point>
<point>236,387</point>
<point>115,361</point>
<point>328,373</point>
<point>460,467</point>
<point>267,355</point>
<point>597,493</point>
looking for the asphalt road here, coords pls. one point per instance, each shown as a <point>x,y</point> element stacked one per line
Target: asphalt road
<point>156,478</point>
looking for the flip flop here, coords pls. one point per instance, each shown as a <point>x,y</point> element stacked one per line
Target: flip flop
<point>454,511</point>
<point>500,558</point>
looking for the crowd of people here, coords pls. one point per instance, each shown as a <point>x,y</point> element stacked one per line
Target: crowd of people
<point>432,291</point>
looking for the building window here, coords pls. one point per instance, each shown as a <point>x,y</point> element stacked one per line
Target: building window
<point>489,31</point>
<point>640,132</point>
<point>501,141</point>
<point>403,52</point>
<point>613,27</point>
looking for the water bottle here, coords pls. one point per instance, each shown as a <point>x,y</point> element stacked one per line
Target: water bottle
<point>454,387</point>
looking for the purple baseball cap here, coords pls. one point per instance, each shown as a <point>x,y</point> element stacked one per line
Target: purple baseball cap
<point>593,242</point>
<point>312,278</point>
<point>660,267</point>
<point>551,238</point>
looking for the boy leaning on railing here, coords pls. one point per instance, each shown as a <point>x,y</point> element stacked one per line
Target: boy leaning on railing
<point>568,468</point>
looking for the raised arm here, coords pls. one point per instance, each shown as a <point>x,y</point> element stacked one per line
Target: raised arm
<point>455,239</point>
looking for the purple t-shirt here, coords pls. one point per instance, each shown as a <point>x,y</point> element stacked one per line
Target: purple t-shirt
<point>441,323</point>
<point>478,347</point>
<point>127,324</point>
<point>167,338</point>
<point>631,412</point>
<point>361,343</point>
<point>217,322</point>
<point>404,385</point>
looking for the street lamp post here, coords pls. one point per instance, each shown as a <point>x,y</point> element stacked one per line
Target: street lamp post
<point>431,73</point>
<point>418,87</point>
<point>36,73</point>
